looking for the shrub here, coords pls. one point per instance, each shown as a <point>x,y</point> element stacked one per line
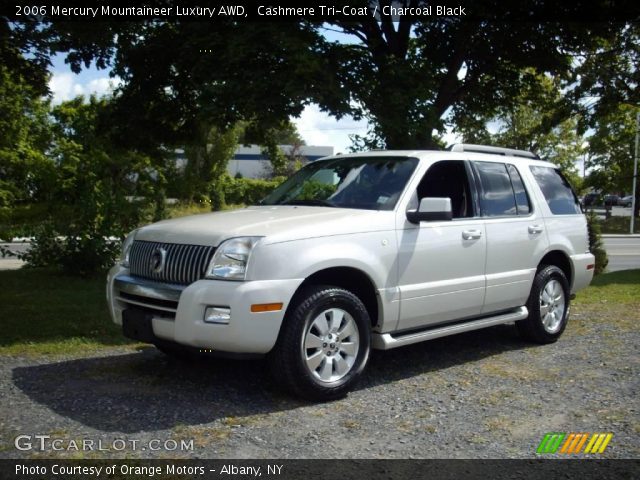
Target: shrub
<point>595,243</point>
<point>248,191</point>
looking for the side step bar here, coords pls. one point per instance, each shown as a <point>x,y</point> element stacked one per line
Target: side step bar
<point>387,341</point>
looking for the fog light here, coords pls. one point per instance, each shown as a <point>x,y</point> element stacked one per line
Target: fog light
<point>217,315</point>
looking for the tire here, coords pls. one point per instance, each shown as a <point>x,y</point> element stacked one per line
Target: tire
<point>548,306</point>
<point>335,327</point>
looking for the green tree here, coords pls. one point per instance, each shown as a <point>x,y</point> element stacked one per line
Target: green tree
<point>25,49</point>
<point>607,76</point>
<point>25,170</point>
<point>410,78</point>
<point>612,151</point>
<point>207,160</point>
<point>101,190</point>
<point>283,133</point>
<point>282,163</point>
<point>413,78</point>
<point>526,125</point>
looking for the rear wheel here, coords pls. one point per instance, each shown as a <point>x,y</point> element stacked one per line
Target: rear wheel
<point>324,344</point>
<point>548,306</point>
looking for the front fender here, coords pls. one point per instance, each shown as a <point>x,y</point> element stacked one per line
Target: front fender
<point>374,253</point>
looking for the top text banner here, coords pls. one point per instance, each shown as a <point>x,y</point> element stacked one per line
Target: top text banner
<point>337,11</point>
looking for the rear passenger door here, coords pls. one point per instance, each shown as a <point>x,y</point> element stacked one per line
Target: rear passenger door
<point>515,234</point>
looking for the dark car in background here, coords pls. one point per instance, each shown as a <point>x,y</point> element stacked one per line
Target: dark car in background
<point>591,200</point>
<point>611,200</point>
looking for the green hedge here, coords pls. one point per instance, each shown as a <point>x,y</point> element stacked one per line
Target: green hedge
<point>248,191</point>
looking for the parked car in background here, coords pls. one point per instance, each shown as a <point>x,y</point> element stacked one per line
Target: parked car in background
<point>591,200</point>
<point>625,201</point>
<point>611,200</point>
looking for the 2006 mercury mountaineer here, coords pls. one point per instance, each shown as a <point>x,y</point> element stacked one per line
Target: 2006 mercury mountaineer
<point>370,250</point>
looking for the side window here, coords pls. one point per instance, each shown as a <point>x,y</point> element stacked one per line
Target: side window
<point>497,198</point>
<point>556,190</point>
<point>448,178</point>
<point>522,199</point>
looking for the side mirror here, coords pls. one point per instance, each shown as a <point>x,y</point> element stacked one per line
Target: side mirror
<point>431,208</point>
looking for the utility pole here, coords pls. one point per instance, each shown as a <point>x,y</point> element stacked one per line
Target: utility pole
<point>635,175</point>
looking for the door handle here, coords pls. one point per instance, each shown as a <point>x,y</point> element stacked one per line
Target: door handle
<point>535,229</point>
<point>471,234</point>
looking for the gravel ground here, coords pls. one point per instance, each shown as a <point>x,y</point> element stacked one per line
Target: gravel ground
<point>482,394</point>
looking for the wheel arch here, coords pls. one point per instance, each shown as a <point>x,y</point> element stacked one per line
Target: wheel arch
<point>561,260</point>
<point>349,278</point>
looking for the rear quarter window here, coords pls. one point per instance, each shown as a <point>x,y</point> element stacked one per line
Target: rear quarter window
<point>556,190</point>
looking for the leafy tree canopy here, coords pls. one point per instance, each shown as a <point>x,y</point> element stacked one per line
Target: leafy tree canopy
<point>612,150</point>
<point>410,78</point>
<point>525,125</point>
<point>25,135</point>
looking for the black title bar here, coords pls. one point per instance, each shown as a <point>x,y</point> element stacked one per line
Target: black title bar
<point>319,469</point>
<point>323,11</point>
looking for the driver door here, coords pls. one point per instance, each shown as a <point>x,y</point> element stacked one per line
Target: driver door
<point>441,264</point>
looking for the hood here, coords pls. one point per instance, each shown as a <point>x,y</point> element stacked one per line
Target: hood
<point>278,223</point>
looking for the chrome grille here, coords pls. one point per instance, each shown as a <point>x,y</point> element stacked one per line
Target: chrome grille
<point>184,264</point>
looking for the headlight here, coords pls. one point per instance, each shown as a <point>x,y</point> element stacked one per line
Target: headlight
<point>231,258</point>
<point>126,248</point>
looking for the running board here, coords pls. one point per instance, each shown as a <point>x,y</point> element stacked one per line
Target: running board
<point>387,341</point>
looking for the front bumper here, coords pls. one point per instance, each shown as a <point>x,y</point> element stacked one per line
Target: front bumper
<point>178,311</point>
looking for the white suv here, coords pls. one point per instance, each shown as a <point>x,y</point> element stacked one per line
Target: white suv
<point>370,250</point>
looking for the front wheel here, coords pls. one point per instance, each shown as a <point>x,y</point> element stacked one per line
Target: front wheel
<point>324,344</point>
<point>548,306</point>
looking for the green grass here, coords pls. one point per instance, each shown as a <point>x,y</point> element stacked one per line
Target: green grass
<point>619,288</point>
<point>47,313</point>
<point>43,312</point>
<point>619,225</point>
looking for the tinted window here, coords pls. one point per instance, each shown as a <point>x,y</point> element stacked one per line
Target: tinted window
<point>522,200</point>
<point>497,197</point>
<point>556,190</point>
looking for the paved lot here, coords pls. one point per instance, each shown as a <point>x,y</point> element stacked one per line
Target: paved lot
<point>623,251</point>
<point>9,263</point>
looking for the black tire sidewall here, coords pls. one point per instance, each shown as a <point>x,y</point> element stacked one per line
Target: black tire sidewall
<point>337,299</point>
<point>543,277</point>
<point>309,305</point>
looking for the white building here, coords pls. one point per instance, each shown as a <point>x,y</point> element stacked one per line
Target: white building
<point>251,163</point>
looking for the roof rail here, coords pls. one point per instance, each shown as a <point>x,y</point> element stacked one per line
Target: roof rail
<point>470,147</point>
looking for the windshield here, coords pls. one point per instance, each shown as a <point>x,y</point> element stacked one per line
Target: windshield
<point>371,183</point>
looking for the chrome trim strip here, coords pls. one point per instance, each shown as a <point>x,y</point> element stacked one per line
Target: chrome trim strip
<point>147,288</point>
<point>147,305</point>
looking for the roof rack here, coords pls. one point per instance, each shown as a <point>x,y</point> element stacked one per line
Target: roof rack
<point>470,147</point>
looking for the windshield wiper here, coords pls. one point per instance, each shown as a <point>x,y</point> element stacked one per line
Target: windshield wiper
<point>312,202</point>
